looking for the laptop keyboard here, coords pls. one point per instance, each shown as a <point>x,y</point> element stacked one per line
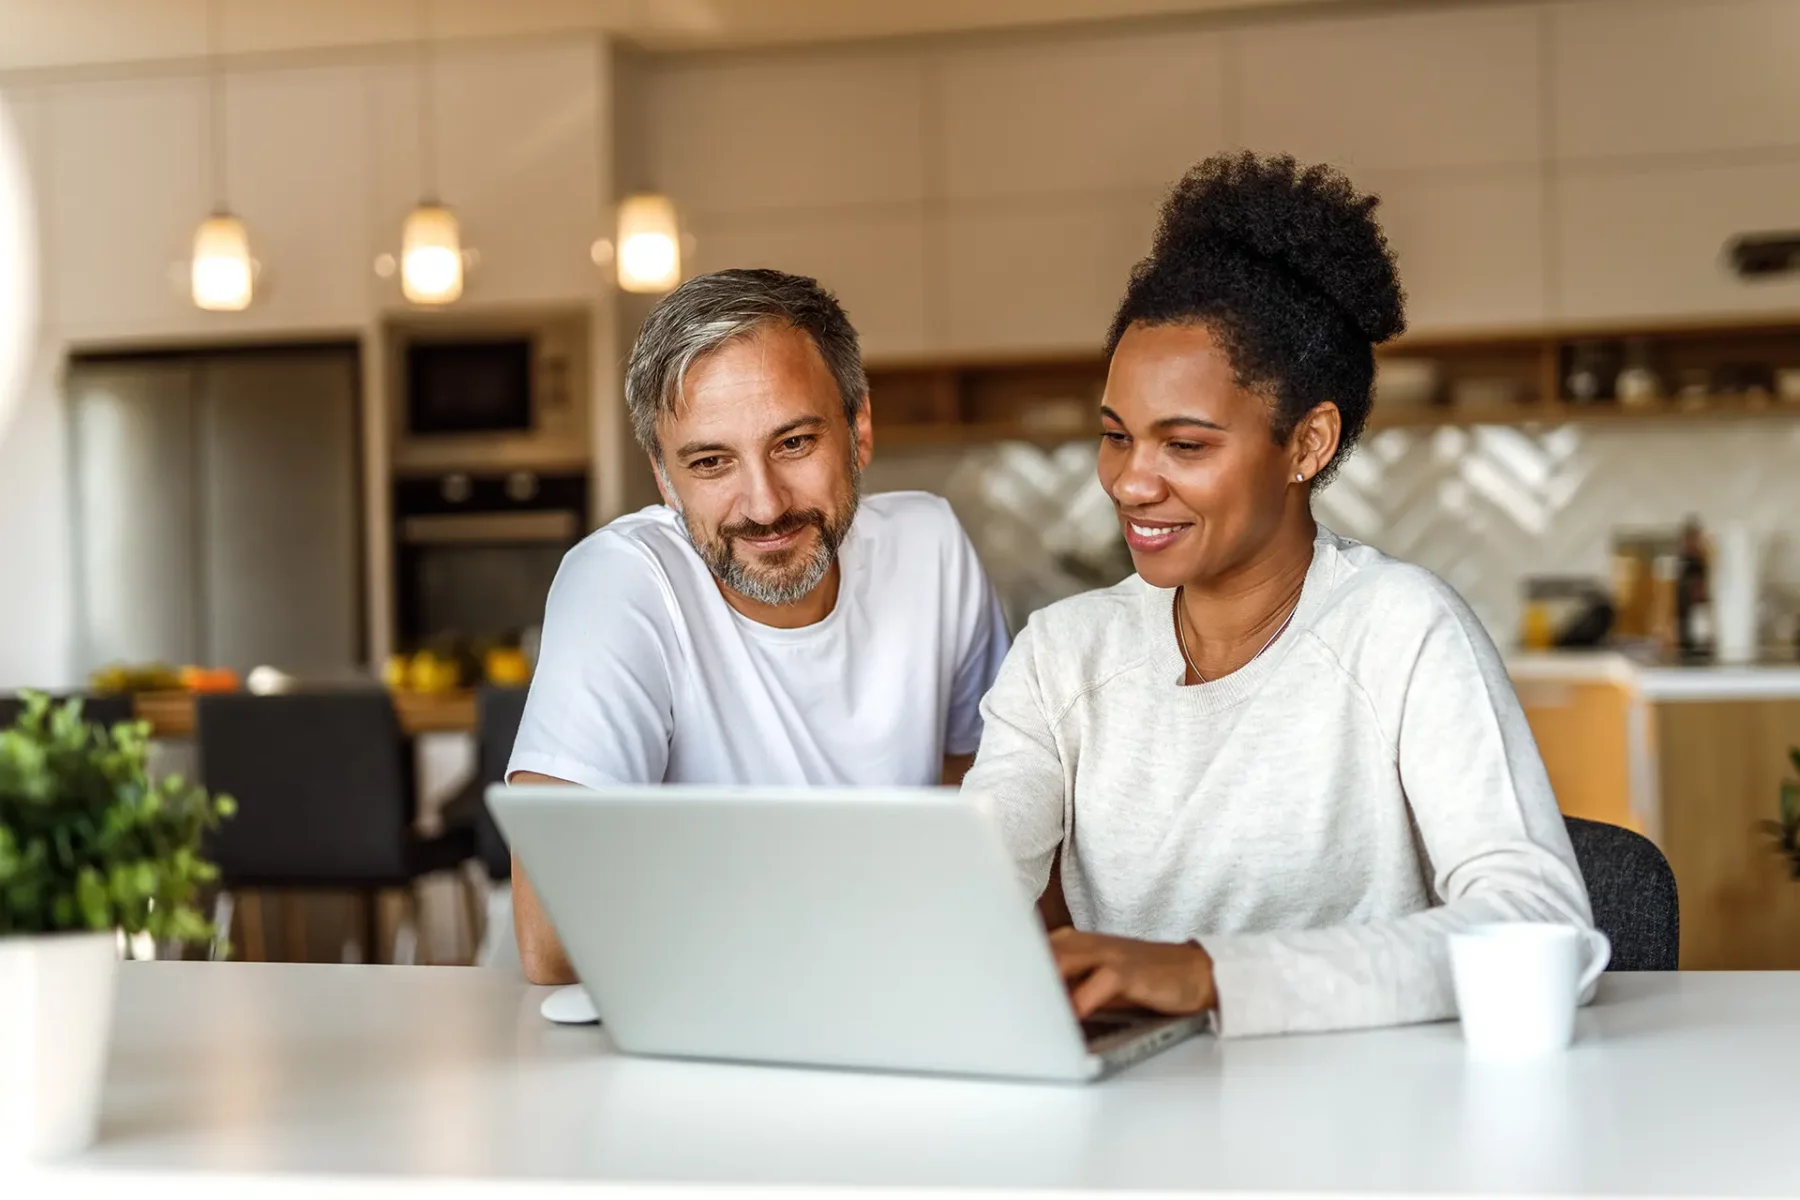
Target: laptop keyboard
<point>1102,1026</point>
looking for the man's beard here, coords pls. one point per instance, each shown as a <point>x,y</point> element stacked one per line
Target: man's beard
<point>787,576</point>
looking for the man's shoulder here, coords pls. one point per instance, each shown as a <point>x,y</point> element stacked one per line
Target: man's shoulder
<point>912,517</point>
<point>633,556</point>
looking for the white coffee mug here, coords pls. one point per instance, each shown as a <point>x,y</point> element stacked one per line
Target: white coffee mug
<point>1518,984</point>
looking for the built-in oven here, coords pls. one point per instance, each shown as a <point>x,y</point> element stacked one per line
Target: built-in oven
<point>475,554</point>
<point>490,393</point>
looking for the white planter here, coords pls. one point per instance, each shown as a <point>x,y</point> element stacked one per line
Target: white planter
<point>56,1001</point>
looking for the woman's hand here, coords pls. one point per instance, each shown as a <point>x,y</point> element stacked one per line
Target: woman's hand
<point>1115,972</point>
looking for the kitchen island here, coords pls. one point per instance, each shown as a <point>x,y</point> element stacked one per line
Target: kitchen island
<point>1693,757</point>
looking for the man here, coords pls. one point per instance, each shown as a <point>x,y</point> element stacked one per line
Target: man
<point>765,625</point>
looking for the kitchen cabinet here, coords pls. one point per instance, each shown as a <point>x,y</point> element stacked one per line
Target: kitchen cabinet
<point>1720,764</point>
<point>1693,757</point>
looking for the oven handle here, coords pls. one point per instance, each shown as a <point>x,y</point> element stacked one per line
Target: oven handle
<point>450,529</point>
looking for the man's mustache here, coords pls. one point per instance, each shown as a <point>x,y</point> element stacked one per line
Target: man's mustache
<point>788,522</point>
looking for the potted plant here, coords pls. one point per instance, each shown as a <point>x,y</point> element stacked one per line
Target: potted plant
<point>91,849</point>
<point>1786,831</point>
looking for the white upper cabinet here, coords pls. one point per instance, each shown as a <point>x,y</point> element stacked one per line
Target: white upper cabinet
<point>1470,249</point>
<point>1406,92</point>
<point>1650,241</point>
<point>786,131</point>
<point>873,259</point>
<point>127,185</point>
<point>1654,77</point>
<point>1041,277</point>
<point>519,159</point>
<point>300,144</point>
<point>1079,115</point>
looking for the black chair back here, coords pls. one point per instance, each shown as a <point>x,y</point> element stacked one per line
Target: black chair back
<point>106,710</point>
<point>324,785</point>
<point>1632,891</point>
<point>498,712</point>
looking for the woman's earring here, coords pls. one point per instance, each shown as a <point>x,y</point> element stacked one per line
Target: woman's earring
<point>1299,478</point>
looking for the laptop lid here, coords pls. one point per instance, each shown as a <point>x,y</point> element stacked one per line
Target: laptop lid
<point>868,928</point>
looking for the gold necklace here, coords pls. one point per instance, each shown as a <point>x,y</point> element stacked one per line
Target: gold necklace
<point>1181,635</point>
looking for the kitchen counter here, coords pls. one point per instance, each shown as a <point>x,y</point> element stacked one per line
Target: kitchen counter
<point>1771,679</point>
<point>171,714</point>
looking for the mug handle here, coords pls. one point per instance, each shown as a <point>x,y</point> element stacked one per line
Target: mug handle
<point>1602,949</point>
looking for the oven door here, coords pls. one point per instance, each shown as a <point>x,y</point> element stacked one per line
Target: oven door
<point>478,578</point>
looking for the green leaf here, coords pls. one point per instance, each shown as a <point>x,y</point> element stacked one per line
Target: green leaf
<point>87,838</point>
<point>90,894</point>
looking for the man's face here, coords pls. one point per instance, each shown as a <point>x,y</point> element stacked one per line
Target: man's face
<point>761,465</point>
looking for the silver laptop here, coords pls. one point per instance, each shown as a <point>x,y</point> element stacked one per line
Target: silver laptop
<point>861,928</point>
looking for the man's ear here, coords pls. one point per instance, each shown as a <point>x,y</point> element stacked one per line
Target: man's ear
<point>864,433</point>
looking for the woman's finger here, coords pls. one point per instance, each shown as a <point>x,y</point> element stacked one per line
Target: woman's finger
<point>1100,989</point>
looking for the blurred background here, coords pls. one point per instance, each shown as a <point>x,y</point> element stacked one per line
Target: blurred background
<point>331,298</point>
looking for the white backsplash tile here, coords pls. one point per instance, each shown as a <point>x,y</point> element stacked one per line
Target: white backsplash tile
<point>1484,507</point>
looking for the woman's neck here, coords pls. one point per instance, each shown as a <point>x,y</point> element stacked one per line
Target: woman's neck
<point>1227,621</point>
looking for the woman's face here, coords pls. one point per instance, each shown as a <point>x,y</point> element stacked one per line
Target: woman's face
<point>1186,453</point>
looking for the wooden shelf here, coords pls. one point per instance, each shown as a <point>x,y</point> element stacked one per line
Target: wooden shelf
<point>1564,413</point>
<point>1051,400</point>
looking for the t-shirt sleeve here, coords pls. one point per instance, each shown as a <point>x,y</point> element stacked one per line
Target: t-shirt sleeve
<point>1018,780</point>
<point>982,642</point>
<point>1487,822</point>
<point>600,709</point>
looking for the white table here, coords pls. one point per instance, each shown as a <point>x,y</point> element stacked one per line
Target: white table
<point>1680,1085</point>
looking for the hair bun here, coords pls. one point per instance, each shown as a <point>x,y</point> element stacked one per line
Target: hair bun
<point>1311,225</point>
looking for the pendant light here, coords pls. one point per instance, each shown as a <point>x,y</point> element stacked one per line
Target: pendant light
<point>222,274</point>
<point>649,241</point>
<point>431,256</point>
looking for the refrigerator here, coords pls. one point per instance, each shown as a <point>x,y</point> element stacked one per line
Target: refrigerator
<point>217,509</point>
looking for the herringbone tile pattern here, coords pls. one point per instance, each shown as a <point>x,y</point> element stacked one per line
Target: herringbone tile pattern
<point>1484,507</point>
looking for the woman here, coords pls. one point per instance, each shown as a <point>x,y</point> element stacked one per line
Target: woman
<point>1275,767</point>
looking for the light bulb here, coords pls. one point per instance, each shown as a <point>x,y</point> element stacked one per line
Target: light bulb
<point>431,262</point>
<point>649,244</point>
<point>221,274</point>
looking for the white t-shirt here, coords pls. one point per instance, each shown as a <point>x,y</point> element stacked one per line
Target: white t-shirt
<point>645,674</point>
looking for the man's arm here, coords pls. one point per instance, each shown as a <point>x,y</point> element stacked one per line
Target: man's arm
<point>955,767</point>
<point>540,951</point>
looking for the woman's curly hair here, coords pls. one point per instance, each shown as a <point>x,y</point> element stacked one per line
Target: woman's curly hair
<point>1289,270</point>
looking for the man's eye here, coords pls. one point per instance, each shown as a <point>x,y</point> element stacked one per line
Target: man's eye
<point>798,442</point>
<point>710,463</point>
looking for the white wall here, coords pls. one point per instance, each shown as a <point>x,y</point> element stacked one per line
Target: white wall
<point>323,157</point>
<point>1538,162</point>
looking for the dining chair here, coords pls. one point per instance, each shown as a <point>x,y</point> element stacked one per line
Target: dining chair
<point>1632,891</point>
<point>326,802</point>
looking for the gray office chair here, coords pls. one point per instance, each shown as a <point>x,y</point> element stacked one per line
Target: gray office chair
<point>326,797</point>
<point>1632,891</point>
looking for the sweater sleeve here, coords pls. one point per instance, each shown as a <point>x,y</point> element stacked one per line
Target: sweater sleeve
<point>1488,825</point>
<point>1017,779</point>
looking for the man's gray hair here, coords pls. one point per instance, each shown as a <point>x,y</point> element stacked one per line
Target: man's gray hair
<point>709,311</point>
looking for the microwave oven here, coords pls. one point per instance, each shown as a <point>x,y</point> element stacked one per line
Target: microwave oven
<point>491,396</point>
